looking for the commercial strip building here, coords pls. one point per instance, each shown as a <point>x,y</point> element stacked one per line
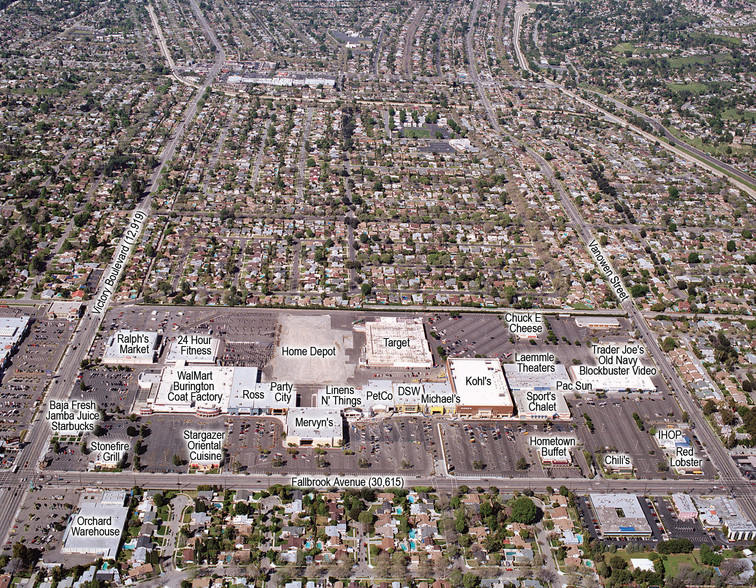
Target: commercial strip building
<point>618,367</point>
<point>428,397</point>
<point>597,322</point>
<point>480,388</point>
<point>12,332</point>
<point>314,426</point>
<point>599,379</point>
<point>70,311</point>
<point>131,347</point>
<point>286,79</point>
<point>686,509</point>
<point>248,396</point>
<point>203,390</point>
<point>539,396</point>
<point>725,513</point>
<point>193,348</point>
<point>475,388</point>
<point>97,525</point>
<point>381,396</point>
<point>213,390</point>
<point>620,515</point>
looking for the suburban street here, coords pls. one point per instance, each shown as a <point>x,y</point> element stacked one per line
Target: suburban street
<point>684,150</point>
<point>35,445</point>
<point>728,471</point>
<point>442,483</point>
<point>456,293</point>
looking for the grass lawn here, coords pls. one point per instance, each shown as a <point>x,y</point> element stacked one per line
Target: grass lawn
<point>699,59</point>
<point>670,566</point>
<point>413,133</point>
<point>694,88</point>
<point>721,39</point>
<point>716,151</point>
<point>733,114</point>
<point>622,47</point>
<point>673,563</point>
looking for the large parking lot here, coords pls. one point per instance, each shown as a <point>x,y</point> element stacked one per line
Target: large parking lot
<point>42,518</point>
<point>402,444</point>
<point>488,335</point>
<point>160,437</point>
<point>470,334</point>
<point>408,445</point>
<point>494,448</point>
<point>165,439</point>
<point>30,371</point>
<point>114,390</point>
<point>615,429</point>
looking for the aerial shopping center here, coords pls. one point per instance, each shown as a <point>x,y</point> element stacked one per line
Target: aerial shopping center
<point>381,365</point>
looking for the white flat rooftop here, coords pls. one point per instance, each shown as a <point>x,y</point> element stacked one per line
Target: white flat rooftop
<point>193,348</point>
<point>397,342</point>
<point>479,382</point>
<point>620,514</point>
<point>596,322</point>
<point>131,347</point>
<point>187,388</point>
<point>610,382</point>
<point>519,380</point>
<point>97,525</point>
<point>537,393</point>
<point>12,327</point>
<point>314,423</point>
<point>249,394</point>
